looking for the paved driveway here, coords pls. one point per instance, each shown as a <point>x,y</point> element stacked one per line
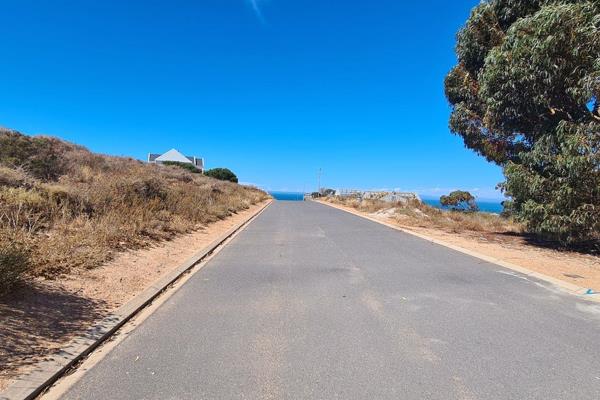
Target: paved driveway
<point>310,302</point>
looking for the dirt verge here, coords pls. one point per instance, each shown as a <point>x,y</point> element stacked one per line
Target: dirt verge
<point>43,315</point>
<point>576,268</point>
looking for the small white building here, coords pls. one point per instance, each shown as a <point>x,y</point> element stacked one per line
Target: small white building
<point>175,156</point>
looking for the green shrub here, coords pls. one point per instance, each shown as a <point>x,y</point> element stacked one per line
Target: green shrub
<point>459,200</point>
<point>222,174</point>
<point>186,166</point>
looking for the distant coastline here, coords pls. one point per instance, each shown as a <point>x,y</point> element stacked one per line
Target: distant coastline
<point>287,196</point>
<point>487,206</point>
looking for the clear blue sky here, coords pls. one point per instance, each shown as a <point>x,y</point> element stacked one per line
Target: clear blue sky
<point>272,89</point>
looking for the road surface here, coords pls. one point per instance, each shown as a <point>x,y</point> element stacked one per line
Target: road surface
<point>310,302</point>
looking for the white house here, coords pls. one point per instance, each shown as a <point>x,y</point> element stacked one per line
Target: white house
<point>175,156</point>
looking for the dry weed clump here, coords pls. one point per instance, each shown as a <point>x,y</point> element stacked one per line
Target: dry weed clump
<point>14,259</point>
<point>63,207</point>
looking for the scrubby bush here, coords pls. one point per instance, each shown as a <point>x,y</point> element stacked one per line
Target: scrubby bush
<point>14,260</point>
<point>419,214</point>
<point>459,200</point>
<point>222,174</point>
<point>83,208</point>
<point>39,156</point>
<point>10,177</point>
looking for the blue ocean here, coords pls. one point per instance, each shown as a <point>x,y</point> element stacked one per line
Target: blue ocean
<point>287,196</point>
<point>484,205</point>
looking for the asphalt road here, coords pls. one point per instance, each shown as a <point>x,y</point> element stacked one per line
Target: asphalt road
<point>313,303</point>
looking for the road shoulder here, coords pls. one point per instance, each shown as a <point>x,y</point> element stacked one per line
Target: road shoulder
<point>470,248</point>
<point>58,351</point>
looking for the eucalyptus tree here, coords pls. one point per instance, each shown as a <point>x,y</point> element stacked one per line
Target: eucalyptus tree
<point>525,94</point>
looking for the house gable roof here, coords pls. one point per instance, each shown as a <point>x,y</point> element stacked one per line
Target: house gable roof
<point>173,155</point>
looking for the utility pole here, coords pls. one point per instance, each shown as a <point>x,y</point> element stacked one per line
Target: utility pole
<point>319,180</point>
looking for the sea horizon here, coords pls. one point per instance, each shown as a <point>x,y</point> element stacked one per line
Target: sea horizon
<point>485,205</point>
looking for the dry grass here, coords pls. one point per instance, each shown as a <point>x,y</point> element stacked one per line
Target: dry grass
<point>63,207</point>
<point>418,214</point>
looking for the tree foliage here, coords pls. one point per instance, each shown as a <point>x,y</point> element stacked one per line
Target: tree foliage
<point>459,200</point>
<point>526,95</point>
<point>222,174</point>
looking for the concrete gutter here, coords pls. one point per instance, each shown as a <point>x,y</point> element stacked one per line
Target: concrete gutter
<point>584,293</point>
<point>47,372</point>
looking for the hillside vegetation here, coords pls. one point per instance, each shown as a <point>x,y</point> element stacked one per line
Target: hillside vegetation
<point>418,214</point>
<point>63,207</point>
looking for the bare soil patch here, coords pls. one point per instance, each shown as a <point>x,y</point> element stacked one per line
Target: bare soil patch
<point>42,315</point>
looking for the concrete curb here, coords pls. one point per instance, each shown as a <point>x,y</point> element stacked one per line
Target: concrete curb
<point>47,372</point>
<point>568,287</point>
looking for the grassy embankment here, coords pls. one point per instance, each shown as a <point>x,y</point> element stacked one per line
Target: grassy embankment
<point>417,214</point>
<point>63,207</point>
